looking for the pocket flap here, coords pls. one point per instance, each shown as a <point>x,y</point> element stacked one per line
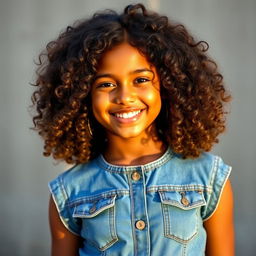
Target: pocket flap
<point>89,209</point>
<point>183,199</point>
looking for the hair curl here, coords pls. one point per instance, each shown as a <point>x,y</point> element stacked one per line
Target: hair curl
<point>192,90</point>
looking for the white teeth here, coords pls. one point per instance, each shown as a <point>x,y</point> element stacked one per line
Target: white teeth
<point>127,114</point>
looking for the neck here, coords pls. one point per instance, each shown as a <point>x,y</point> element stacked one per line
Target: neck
<point>132,151</point>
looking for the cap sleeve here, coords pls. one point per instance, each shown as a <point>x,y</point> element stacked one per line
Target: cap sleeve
<point>61,201</point>
<point>219,176</point>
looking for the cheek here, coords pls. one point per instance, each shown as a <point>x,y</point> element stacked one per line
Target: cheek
<point>100,105</point>
<point>97,105</point>
<point>153,98</point>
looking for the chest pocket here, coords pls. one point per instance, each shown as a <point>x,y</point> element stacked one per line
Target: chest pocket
<point>181,214</point>
<point>98,221</point>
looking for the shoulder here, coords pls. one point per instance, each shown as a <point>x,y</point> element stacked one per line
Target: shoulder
<point>72,180</point>
<point>77,173</point>
<point>206,165</point>
<point>208,172</point>
<point>215,173</point>
<point>205,158</point>
<point>67,188</point>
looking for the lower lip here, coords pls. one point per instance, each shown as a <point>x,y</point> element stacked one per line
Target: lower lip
<point>128,120</point>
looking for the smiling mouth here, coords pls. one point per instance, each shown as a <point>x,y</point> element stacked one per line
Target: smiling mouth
<point>127,115</point>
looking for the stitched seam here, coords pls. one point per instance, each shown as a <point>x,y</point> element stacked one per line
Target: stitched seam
<point>220,194</point>
<point>166,188</point>
<point>132,218</point>
<point>166,220</point>
<point>63,190</point>
<point>214,169</point>
<point>105,195</point>
<point>184,249</point>
<point>127,169</point>
<point>168,227</point>
<point>108,244</point>
<point>112,226</point>
<point>180,240</point>
<point>146,211</point>
<point>64,222</point>
<point>177,204</point>
<point>83,214</point>
<point>112,223</point>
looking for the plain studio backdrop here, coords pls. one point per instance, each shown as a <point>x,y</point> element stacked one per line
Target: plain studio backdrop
<point>229,26</point>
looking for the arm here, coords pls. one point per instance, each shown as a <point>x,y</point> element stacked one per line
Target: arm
<point>220,227</point>
<point>64,243</point>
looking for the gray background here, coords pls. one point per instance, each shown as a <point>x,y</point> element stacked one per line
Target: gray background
<point>25,28</point>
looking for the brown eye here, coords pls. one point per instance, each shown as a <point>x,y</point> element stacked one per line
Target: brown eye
<point>141,80</point>
<point>105,85</point>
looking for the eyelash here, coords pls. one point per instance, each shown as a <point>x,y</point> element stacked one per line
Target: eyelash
<point>141,80</point>
<point>105,85</point>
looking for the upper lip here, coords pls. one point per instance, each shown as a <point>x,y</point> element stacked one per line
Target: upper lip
<point>125,110</point>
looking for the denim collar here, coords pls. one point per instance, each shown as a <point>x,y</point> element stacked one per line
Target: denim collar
<point>129,168</point>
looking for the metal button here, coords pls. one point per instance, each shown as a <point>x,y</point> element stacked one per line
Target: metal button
<point>140,224</point>
<point>135,176</point>
<point>184,201</point>
<point>93,209</point>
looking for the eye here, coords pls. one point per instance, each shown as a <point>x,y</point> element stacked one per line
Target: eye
<point>141,80</point>
<point>105,85</point>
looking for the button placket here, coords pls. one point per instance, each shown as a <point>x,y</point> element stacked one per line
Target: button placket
<point>139,208</point>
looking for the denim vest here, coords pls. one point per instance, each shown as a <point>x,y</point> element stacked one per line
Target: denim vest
<point>152,209</point>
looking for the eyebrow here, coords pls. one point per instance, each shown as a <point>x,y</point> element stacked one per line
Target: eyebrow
<point>141,70</point>
<point>132,72</point>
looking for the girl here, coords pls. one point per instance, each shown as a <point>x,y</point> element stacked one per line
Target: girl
<point>135,103</point>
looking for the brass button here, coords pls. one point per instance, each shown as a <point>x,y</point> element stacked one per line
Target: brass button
<point>135,176</point>
<point>184,201</point>
<point>140,224</point>
<point>93,209</point>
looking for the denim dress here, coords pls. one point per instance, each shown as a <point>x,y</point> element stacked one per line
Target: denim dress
<point>153,209</point>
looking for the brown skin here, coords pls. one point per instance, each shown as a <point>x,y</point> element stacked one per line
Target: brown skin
<point>135,142</point>
<point>220,227</point>
<point>127,82</point>
<point>64,243</point>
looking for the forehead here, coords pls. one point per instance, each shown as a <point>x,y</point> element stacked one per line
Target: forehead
<point>123,56</point>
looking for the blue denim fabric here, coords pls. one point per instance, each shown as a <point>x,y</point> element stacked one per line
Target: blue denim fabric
<point>171,196</point>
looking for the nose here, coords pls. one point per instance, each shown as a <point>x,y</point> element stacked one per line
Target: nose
<point>125,94</point>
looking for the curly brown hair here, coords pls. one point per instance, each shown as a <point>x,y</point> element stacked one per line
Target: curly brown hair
<point>192,90</point>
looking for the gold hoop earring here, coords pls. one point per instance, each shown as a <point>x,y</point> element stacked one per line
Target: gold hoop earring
<point>89,127</point>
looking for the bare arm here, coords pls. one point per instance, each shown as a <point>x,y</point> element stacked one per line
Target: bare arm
<point>64,243</point>
<point>220,227</point>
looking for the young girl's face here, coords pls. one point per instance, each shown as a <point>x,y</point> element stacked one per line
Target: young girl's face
<point>126,93</point>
